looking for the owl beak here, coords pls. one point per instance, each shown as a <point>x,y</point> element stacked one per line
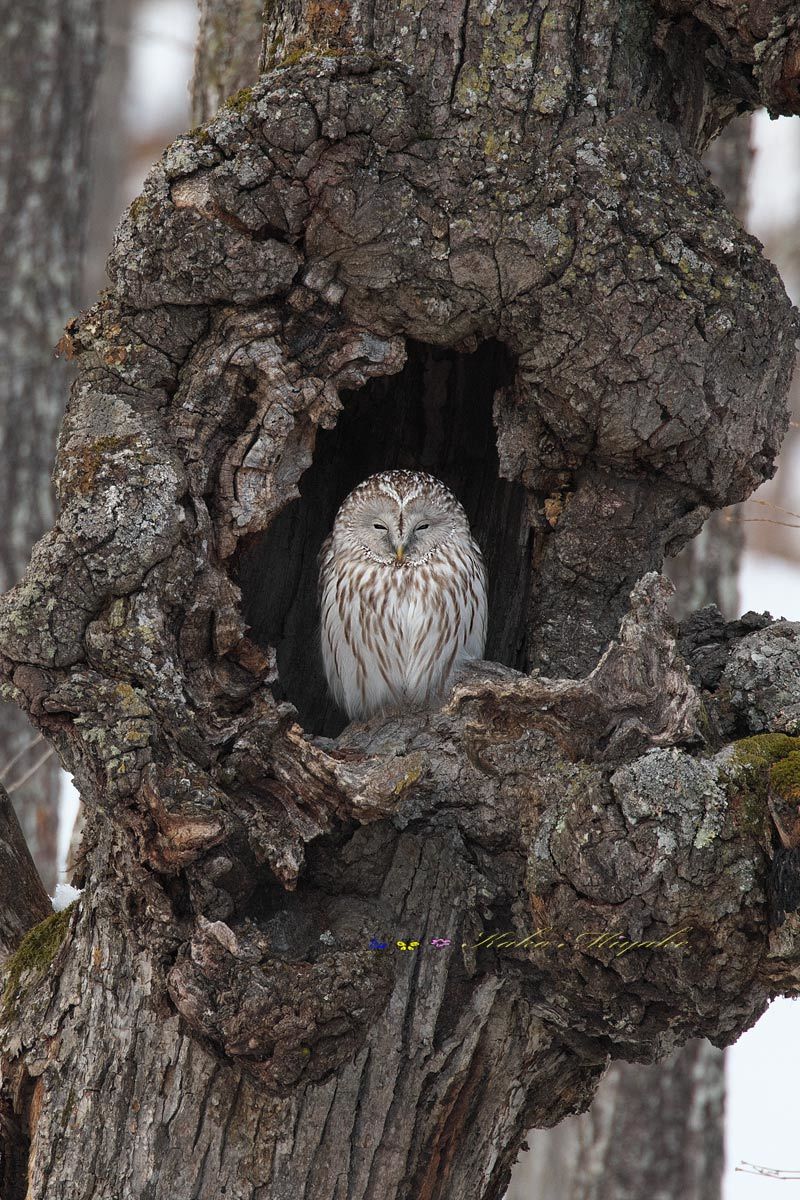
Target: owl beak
<point>399,552</point>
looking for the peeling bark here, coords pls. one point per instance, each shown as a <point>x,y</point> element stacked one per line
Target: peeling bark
<point>414,216</point>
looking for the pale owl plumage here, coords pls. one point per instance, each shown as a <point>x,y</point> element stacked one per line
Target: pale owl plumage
<point>402,591</point>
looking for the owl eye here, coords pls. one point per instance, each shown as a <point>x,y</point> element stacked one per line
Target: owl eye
<point>425,525</point>
<point>377,525</point>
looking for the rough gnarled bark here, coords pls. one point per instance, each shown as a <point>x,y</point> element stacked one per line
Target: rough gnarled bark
<point>412,226</point>
<point>589,1155</point>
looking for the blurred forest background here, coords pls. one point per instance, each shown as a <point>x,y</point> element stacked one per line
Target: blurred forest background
<point>143,54</point>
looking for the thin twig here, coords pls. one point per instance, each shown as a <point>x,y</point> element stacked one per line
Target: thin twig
<point>19,754</point>
<point>776,507</point>
<point>748,1168</point>
<point>763,521</point>
<point>39,763</point>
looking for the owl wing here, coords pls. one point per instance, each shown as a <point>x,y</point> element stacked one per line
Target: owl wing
<point>446,622</point>
<point>476,605</point>
<point>323,562</point>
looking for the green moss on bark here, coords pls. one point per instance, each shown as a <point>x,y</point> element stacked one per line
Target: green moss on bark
<point>764,749</point>
<point>768,762</point>
<point>784,776</point>
<point>239,101</point>
<point>35,953</point>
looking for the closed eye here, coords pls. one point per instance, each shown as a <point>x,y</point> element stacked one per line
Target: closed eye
<point>419,527</point>
<point>377,526</point>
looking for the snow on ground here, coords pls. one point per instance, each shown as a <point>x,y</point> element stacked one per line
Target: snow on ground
<point>67,812</point>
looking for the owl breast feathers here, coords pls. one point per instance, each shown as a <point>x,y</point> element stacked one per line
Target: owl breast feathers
<point>402,592</point>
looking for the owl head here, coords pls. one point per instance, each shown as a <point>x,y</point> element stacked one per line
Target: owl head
<point>400,518</point>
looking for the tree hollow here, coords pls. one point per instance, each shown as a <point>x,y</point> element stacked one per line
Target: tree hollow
<point>435,416</point>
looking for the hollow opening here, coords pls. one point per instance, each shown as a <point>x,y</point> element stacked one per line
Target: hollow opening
<point>435,416</point>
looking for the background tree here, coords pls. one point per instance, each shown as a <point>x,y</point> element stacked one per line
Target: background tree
<point>105,196</point>
<point>228,51</point>
<point>651,1130</point>
<point>482,243</point>
<point>50,55</point>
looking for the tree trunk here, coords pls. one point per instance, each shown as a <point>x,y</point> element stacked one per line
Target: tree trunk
<point>50,56</point>
<point>476,240</point>
<point>650,1131</point>
<point>707,569</point>
<point>110,143</point>
<point>580,1158</point>
<point>23,900</point>
<point>228,52</point>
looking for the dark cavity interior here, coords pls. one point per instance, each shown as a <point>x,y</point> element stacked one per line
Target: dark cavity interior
<point>436,416</point>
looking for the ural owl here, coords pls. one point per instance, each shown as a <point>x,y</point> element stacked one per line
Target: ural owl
<point>402,591</point>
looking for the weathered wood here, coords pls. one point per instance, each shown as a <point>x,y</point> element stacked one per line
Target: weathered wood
<point>585,1155</point>
<point>214,1021</point>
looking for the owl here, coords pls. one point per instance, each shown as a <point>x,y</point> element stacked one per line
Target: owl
<point>402,593</point>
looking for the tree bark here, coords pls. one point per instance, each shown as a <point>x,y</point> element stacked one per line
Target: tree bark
<point>586,1155</point>
<point>50,56</point>
<point>23,903</point>
<point>707,569</point>
<point>476,240</point>
<point>228,52</point>
<point>23,900</point>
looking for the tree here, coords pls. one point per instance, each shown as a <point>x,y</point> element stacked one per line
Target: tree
<point>616,1149</point>
<point>481,243</point>
<point>651,1131</point>
<point>110,151</point>
<point>228,51</point>
<point>51,57</point>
